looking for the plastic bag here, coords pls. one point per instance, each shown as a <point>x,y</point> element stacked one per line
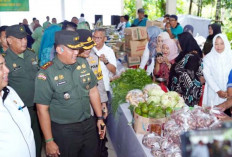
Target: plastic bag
<point>134,97</point>
<point>151,140</point>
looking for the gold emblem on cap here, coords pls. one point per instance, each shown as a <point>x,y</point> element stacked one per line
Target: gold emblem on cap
<point>61,77</point>
<point>21,29</point>
<point>83,66</point>
<point>76,38</point>
<point>66,96</point>
<point>89,39</point>
<point>87,87</point>
<point>14,65</point>
<point>78,67</point>
<point>56,78</point>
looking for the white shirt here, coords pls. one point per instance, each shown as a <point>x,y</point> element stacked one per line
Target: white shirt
<point>32,26</point>
<point>144,60</point>
<point>123,26</point>
<point>81,19</point>
<point>16,135</point>
<point>110,56</point>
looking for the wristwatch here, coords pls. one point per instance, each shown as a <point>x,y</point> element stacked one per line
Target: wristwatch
<point>100,118</point>
<point>106,63</point>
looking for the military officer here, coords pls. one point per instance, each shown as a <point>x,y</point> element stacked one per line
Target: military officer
<point>23,67</point>
<point>64,89</point>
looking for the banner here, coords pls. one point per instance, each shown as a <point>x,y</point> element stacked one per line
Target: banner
<point>14,5</point>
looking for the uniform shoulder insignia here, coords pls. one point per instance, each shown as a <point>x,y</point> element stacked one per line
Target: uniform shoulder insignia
<point>48,64</point>
<point>31,49</point>
<point>3,54</point>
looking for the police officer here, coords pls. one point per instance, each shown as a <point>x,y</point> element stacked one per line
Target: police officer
<point>23,67</point>
<point>65,87</point>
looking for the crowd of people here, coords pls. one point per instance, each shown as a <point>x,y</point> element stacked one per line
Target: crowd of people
<point>55,80</point>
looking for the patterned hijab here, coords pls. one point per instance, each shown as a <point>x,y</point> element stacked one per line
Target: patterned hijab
<point>153,33</point>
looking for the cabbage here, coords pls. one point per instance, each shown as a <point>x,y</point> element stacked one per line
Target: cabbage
<point>181,103</point>
<point>155,99</point>
<point>169,100</point>
<point>156,92</point>
<point>175,95</point>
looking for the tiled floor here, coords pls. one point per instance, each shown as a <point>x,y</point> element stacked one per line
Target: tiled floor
<point>111,151</point>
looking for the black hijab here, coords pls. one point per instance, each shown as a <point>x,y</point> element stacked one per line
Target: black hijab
<point>187,44</point>
<point>216,30</point>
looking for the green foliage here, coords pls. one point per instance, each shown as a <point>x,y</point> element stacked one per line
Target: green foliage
<point>154,8</point>
<point>129,80</point>
<point>130,9</point>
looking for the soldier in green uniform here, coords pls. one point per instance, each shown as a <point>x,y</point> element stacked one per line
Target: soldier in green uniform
<point>64,90</point>
<point>23,67</point>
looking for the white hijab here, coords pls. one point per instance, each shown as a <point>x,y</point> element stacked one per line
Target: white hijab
<point>216,69</point>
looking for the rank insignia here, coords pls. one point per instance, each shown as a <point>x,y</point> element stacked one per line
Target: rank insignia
<point>61,77</point>
<point>56,78</point>
<point>14,65</point>
<point>83,66</point>
<point>78,67</point>
<point>66,96</point>
<point>89,79</point>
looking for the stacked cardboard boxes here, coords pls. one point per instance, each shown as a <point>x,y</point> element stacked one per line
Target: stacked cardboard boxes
<point>159,24</point>
<point>135,44</point>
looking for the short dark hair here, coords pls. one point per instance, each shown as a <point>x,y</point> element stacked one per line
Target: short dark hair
<point>146,15</point>
<point>2,29</point>
<point>127,17</point>
<point>166,15</point>
<point>67,24</point>
<point>33,19</point>
<point>174,17</point>
<point>82,15</point>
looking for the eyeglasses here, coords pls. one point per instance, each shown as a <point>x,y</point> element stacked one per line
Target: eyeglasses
<point>94,37</point>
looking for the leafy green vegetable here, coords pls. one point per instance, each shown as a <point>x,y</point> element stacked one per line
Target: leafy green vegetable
<point>129,80</point>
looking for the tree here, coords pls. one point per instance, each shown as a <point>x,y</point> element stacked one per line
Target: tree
<point>190,6</point>
<point>218,11</point>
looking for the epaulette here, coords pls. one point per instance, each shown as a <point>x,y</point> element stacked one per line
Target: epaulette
<point>30,49</point>
<point>3,54</point>
<point>48,64</point>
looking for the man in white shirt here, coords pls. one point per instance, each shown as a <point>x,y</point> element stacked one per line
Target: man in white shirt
<point>121,26</point>
<point>107,57</point>
<point>32,24</point>
<point>16,135</point>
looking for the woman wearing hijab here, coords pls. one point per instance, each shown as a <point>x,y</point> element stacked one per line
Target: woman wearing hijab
<point>217,66</point>
<point>186,76</point>
<point>214,29</point>
<point>150,51</point>
<point>37,36</point>
<point>164,62</point>
<point>189,28</point>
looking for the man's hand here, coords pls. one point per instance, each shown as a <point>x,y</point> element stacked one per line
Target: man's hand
<point>224,118</point>
<point>52,149</point>
<point>103,58</point>
<point>101,132</point>
<point>222,106</point>
<point>222,94</point>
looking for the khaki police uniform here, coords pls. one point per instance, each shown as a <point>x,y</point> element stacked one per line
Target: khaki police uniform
<point>23,69</point>
<point>65,89</point>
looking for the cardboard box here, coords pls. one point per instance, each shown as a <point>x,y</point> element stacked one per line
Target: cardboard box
<point>132,61</point>
<point>120,46</point>
<point>159,24</point>
<point>141,124</point>
<point>136,48</point>
<point>136,33</point>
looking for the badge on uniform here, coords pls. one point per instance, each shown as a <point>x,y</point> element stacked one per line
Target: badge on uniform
<point>61,77</point>
<point>66,96</point>
<point>14,65</point>
<point>33,61</point>
<point>87,86</point>
<point>84,80</point>
<point>83,66</point>
<point>84,71</point>
<point>89,79</point>
<point>56,78</point>
<point>78,67</point>
<point>41,76</point>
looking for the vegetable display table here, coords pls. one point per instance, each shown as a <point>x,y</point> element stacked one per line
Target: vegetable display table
<point>125,141</point>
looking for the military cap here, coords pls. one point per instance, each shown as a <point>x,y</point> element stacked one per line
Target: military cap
<point>17,31</point>
<point>86,39</point>
<point>69,39</point>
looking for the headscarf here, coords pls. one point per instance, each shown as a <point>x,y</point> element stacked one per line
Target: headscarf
<point>216,30</point>
<point>172,47</point>
<point>164,35</point>
<point>227,49</point>
<point>188,44</point>
<point>189,28</point>
<point>153,33</point>
<point>47,43</point>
